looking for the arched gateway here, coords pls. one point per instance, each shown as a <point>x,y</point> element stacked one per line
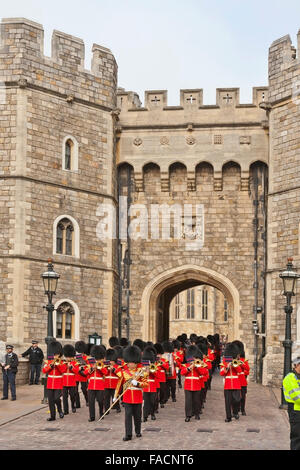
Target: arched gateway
<point>159,292</point>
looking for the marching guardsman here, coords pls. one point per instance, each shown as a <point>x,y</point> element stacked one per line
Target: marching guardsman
<point>111,379</point>
<point>178,356</point>
<point>149,393</point>
<point>81,378</point>
<point>230,370</point>
<point>193,371</point>
<point>95,372</point>
<point>55,369</point>
<point>163,366</point>
<point>171,374</point>
<point>134,379</point>
<point>243,375</point>
<point>69,378</point>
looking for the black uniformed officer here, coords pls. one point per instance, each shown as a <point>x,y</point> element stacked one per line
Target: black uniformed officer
<point>9,370</point>
<point>36,357</point>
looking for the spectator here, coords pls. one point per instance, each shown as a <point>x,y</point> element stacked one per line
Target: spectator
<point>9,370</point>
<point>36,357</point>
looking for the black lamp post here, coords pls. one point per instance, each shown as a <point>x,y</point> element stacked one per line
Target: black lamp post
<point>289,278</point>
<point>50,280</point>
<point>95,339</point>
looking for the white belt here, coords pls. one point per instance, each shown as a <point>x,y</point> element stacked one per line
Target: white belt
<point>111,377</point>
<point>96,378</point>
<point>55,376</point>
<point>133,388</point>
<point>192,377</point>
<point>68,373</point>
<point>231,377</point>
<point>150,380</point>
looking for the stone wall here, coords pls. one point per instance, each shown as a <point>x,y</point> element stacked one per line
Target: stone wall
<point>47,100</point>
<point>284,196</point>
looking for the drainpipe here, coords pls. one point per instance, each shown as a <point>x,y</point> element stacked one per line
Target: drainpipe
<point>255,266</point>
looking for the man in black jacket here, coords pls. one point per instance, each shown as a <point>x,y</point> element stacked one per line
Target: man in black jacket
<point>36,357</point>
<point>9,370</point>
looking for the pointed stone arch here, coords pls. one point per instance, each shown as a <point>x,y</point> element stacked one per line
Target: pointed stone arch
<point>180,278</point>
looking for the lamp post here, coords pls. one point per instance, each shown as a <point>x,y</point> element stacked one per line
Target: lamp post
<point>289,278</point>
<point>50,280</point>
<point>95,339</point>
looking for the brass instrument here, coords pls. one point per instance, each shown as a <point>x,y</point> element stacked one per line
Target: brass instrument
<point>99,364</point>
<point>152,368</point>
<point>236,363</point>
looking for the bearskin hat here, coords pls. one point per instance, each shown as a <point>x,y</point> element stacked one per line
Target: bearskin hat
<point>69,350</point>
<point>231,350</point>
<point>81,347</point>
<point>139,343</point>
<point>55,348</point>
<point>176,344</point>
<point>119,351</point>
<point>111,355</point>
<point>124,342</point>
<point>158,348</point>
<point>202,345</point>
<point>240,346</point>
<point>217,338</point>
<point>211,340</point>
<point>150,349</point>
<point>98,352</point>
<point>113,341</point>
<point>193,337</point>
<point>167,346</point>
<point>148,355</point>
<point>132,354</point>
<point>193,351</point>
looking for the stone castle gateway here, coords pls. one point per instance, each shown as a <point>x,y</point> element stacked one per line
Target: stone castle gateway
<point>73,143</point>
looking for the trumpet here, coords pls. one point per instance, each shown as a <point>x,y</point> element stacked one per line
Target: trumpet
<point>152,368</point>
<point>236,363</point>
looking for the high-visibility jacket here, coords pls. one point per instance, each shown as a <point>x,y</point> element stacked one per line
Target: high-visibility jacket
<point>291,390</point>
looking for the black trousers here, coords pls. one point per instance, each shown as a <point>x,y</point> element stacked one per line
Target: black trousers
<point>133,411</point>
<point>93,396</point>
<point>108,396</point>
<point>157,398</point>
<point>35,372</point>
<point>232,402</point>
<point>9,378</point>
<point>149,403</point>
<point>294,418</point>
<point>192,403</point>
<point>54,398</point>
<point>243,398</point>
<point>69,391</point>
<point>163,397</point>
<point>84,391</point>
<point>171,388</point>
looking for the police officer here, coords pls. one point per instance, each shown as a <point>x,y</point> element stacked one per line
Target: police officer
<point>36,357</point>
<point>291,389</point>
<point>9,370</point>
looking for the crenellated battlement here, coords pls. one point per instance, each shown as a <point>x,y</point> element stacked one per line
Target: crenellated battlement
<point>284,69</point>
<point>22,52</point>
<point>191,100</point>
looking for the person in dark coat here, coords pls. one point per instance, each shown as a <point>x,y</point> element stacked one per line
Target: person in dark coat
<point>9,370</point>
<point>36,357</point>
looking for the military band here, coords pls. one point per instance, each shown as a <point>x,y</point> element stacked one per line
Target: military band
<point>142,377</point>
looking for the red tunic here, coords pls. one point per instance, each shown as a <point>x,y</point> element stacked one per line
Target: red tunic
<point>69,377</point>
<point>95,377</point>
<point>55,375</point>
<point>231,377</point>
<point>152,383</point>
<point>111,379</point>
<point>244,372</point>
<point>79,376</point>
<point>162,369</point>
<point>193,377</point>
<point>134,393</point>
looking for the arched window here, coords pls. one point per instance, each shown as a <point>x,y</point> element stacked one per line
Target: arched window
<point>177,307</point>
<point>204,304</point>
<point>70,154</point>
<point>64,237</point>
<point>65,321</point>
<point>190,303</point>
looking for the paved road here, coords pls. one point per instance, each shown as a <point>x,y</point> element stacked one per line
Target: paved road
<point>264,428</point>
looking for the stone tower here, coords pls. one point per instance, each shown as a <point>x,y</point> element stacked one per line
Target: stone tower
<point>56,168</point>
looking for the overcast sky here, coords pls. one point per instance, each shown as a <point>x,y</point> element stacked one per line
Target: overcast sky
<point>173,44</point>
